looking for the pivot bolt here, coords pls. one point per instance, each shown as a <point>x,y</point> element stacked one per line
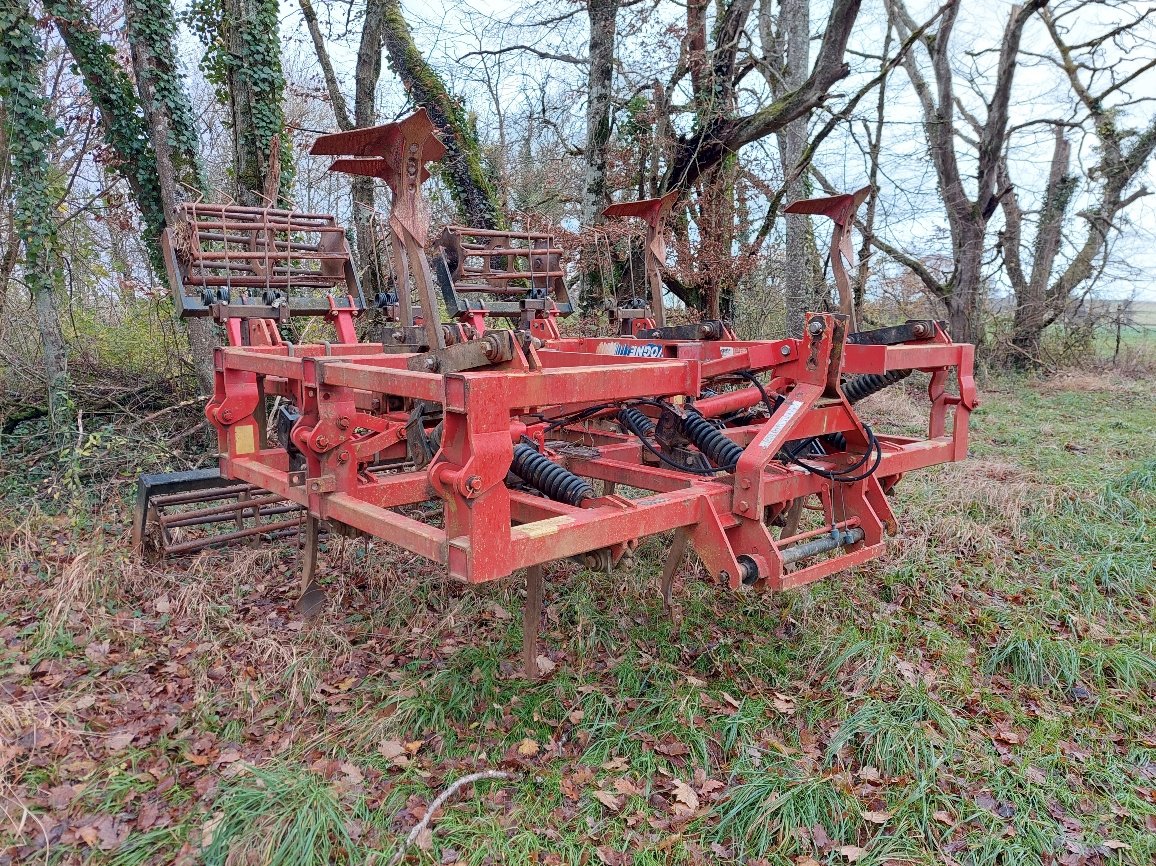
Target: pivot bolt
<point>343,457</point>
<point>227,415</point>
<point>322,443</point>
<point>724,576</point>
<point>744,506</point>
<point>343,423</point>
<point>816,327</point>
<point>431,364</point>
<point>785,351</point>
<point>474,482</point>
<point>398,336</point>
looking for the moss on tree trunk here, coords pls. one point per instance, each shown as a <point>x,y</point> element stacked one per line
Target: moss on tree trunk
<point>463,170</point>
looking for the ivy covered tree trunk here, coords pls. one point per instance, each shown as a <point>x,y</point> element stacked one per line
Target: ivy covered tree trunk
<point>243,59</point>
<point>472,188</point>
<point>169,124</point>
<point>121,118</point>
<point>154,163</point>
<point>30,133</point>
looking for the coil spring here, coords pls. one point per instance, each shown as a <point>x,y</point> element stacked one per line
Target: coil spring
<point>721,451</point>
<point>635,422</point>
<point>555,481</point>
<point>857,388</point>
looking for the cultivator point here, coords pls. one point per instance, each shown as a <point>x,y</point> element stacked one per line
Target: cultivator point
<point>535,447</point>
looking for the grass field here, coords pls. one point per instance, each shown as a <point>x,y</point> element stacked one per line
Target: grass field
<point>986,695</point>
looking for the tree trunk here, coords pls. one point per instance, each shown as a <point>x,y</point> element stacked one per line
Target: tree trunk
<point>336,99</point>
<point>30,134</point>
<point>966,301</point>
<point>368,73</point>
<point>603,16</point>
<point>255,83</point>
<point>462,169</point>
<point>153,58</point>
<point>1033,305</point>
<point>801,271</point>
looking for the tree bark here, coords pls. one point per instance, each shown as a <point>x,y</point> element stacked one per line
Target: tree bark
<point>336,99</point>
<point>1031,292</point>
<point>802,274</point>
<point>603,15</point>
<point>368,73</point>
<point>463,169</point>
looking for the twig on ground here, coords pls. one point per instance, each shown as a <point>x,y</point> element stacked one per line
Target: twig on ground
<point>439,801</point>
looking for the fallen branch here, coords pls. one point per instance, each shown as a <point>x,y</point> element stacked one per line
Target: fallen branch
<point>439,801</point>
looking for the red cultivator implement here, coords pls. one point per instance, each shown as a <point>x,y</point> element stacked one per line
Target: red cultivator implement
<point>539,447</point>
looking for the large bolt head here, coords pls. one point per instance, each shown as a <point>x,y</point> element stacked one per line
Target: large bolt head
<point>431,364</point>
<point>785,351</point>
<point>816,327</point>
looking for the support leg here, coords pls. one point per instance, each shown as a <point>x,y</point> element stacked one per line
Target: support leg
<point>312,595</point>
<point>794,515</point>
<point>532,620</point>
<point>673,561</point>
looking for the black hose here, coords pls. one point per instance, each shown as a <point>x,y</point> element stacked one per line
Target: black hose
<point>555,481</point>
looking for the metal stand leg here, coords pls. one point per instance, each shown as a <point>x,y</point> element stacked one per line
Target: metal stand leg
<point>532,620</point>
<point>312,595</point>
<point>673,561</point>
<point>794,515</point>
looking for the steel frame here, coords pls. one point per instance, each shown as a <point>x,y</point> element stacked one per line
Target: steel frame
<point>491,531</point>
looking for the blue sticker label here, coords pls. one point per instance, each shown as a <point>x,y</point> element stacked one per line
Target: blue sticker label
<point>645,350</point>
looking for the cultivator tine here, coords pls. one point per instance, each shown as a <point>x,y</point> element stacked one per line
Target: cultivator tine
<point>312,595</point>
<point>673,561</point>
<point>532,621</point>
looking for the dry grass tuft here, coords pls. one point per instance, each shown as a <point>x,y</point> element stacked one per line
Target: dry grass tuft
<point>1087,381</point>
<point>897,410</point>
<point>977,508</point>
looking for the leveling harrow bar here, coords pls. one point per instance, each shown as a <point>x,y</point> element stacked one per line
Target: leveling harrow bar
<point>533,447</point>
